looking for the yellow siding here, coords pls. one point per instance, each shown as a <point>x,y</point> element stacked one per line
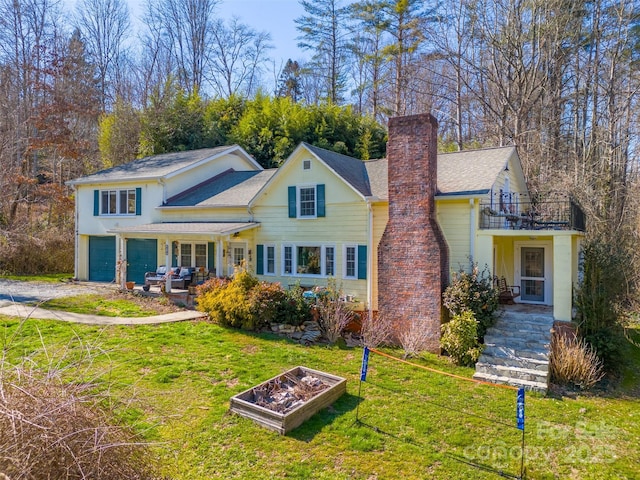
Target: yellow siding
<point>380,219</point>
<point>346,222</point>
<point>236,214</point>
<point>454,217</point>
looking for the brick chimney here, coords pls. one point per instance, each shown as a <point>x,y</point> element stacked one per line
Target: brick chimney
<point>412,254</point>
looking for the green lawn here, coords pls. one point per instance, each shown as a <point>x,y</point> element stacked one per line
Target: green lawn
<point>176,381</point>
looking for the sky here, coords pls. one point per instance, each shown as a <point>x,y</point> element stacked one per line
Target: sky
<point>273,16</point>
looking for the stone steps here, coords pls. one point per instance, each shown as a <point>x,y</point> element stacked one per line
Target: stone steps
<point>517,351</point>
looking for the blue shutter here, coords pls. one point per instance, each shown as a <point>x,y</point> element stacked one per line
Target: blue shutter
<point>292,202</point>
<point>362,262</point>
<point>138,201</point>
<point>174,255</point>
<point>210,257</point>
<point>320,200</point>
<point>96,203</point>
<point>260,259</point>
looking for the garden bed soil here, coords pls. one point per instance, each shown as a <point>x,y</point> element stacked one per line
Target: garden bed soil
<point>284,402</point>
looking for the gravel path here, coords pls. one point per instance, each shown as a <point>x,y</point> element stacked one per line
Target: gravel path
<point>17,291</point>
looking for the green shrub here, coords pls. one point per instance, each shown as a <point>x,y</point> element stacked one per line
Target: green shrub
<point>600,296</point>
<point>460,339</point>
<point>244,302</point>
<point>473,292</point>
<point>267,302</point>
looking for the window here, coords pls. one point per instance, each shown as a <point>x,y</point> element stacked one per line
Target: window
<point>308,201</point>
<point>330,260</point>
<point>185,254</point>
<point>350,261</point>
<point>193,255</point>
<point>308,260</point>
<point>119,202</point>
<point>287,267</point>
<point>306,164</point>
<point>201,255</point>
<point>271,260</point>
<point>354,262</point>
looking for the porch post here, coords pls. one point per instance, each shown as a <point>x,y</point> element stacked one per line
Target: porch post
<point>484,252</point>
<point>219,260</point>
<point>562,277</point>
<point>167,262</point>
<point>120,261</point>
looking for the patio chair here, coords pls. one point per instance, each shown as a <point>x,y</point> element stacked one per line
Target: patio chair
<point>506,293</point>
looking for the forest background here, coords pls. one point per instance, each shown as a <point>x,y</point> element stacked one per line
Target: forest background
<point>85,90</point>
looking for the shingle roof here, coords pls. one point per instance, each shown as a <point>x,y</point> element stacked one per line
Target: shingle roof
<point>471,171</point>
<point>155,166</point>
<point>378,172</point>
<point>230,188</point>
<point>350,169</point>
<point>196,228</point>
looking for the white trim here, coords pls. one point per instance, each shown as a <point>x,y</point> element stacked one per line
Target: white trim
<point>548,269</point>
<point>265,259</point>
<point>355,260</point>
<point>299,201</point>
<point>294,259</point>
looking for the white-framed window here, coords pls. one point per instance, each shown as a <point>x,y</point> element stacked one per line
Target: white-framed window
<point>270,260</point>
<point>308,260</point>
<point>307,202</point>
<point>350,261</point>
<point>193,254</point>
<point>118,202</point>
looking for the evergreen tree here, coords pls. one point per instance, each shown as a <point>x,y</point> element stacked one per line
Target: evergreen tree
<point>289,84</point>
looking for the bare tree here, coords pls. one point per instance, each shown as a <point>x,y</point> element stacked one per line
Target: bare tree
<point>183,31</point>
<point>238,57</point>
<point>105,25</point>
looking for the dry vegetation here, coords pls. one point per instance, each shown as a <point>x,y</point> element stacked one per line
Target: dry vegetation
<point>53,427</point>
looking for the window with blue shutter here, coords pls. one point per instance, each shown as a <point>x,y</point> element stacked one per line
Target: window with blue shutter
<point>96,203</point>
<point>138,201</point>
<point>292,202</point>
<point>362,262</point>
<point>320,199</point>
<point>260,259</point>
<point>210,257</point>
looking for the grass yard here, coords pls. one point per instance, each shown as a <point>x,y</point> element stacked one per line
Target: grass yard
<point>175,380</point>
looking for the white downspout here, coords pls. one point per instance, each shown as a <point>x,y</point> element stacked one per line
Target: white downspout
<point>472,229</point>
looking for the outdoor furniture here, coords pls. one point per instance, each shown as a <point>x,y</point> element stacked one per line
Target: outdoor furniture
<point>180,277</point>
<point>506,293</point>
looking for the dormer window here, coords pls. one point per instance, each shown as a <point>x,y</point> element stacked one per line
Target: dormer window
<point>306,201</point>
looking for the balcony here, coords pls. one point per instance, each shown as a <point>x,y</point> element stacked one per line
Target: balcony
<point>549,215</point>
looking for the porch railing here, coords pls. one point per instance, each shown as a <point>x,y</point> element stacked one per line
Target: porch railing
<point>551,215</point>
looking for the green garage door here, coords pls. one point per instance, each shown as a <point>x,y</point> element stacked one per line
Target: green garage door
<point>102,259</point>
<point>142,257</point>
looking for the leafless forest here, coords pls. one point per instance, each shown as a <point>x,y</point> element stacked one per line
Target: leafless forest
<point>87,89</point>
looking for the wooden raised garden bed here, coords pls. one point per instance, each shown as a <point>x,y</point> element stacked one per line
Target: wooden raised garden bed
<point>286,401</point>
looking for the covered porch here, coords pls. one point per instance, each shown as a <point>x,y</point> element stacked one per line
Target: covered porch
<point>205,248</point>
<point>542,264</point>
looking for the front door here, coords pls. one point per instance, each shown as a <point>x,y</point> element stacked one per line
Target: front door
<point>237,256</point>
<point>533,273</point>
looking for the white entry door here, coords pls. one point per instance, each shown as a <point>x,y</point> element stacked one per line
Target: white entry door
<point>533,272</point>
<point>237,256</point>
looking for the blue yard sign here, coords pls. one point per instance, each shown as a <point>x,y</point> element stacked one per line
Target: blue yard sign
<point>520,409</point>
<point>365,364</point>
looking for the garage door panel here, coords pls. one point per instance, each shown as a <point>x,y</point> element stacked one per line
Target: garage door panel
<point>142,257</point>
<point>102,259</point>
